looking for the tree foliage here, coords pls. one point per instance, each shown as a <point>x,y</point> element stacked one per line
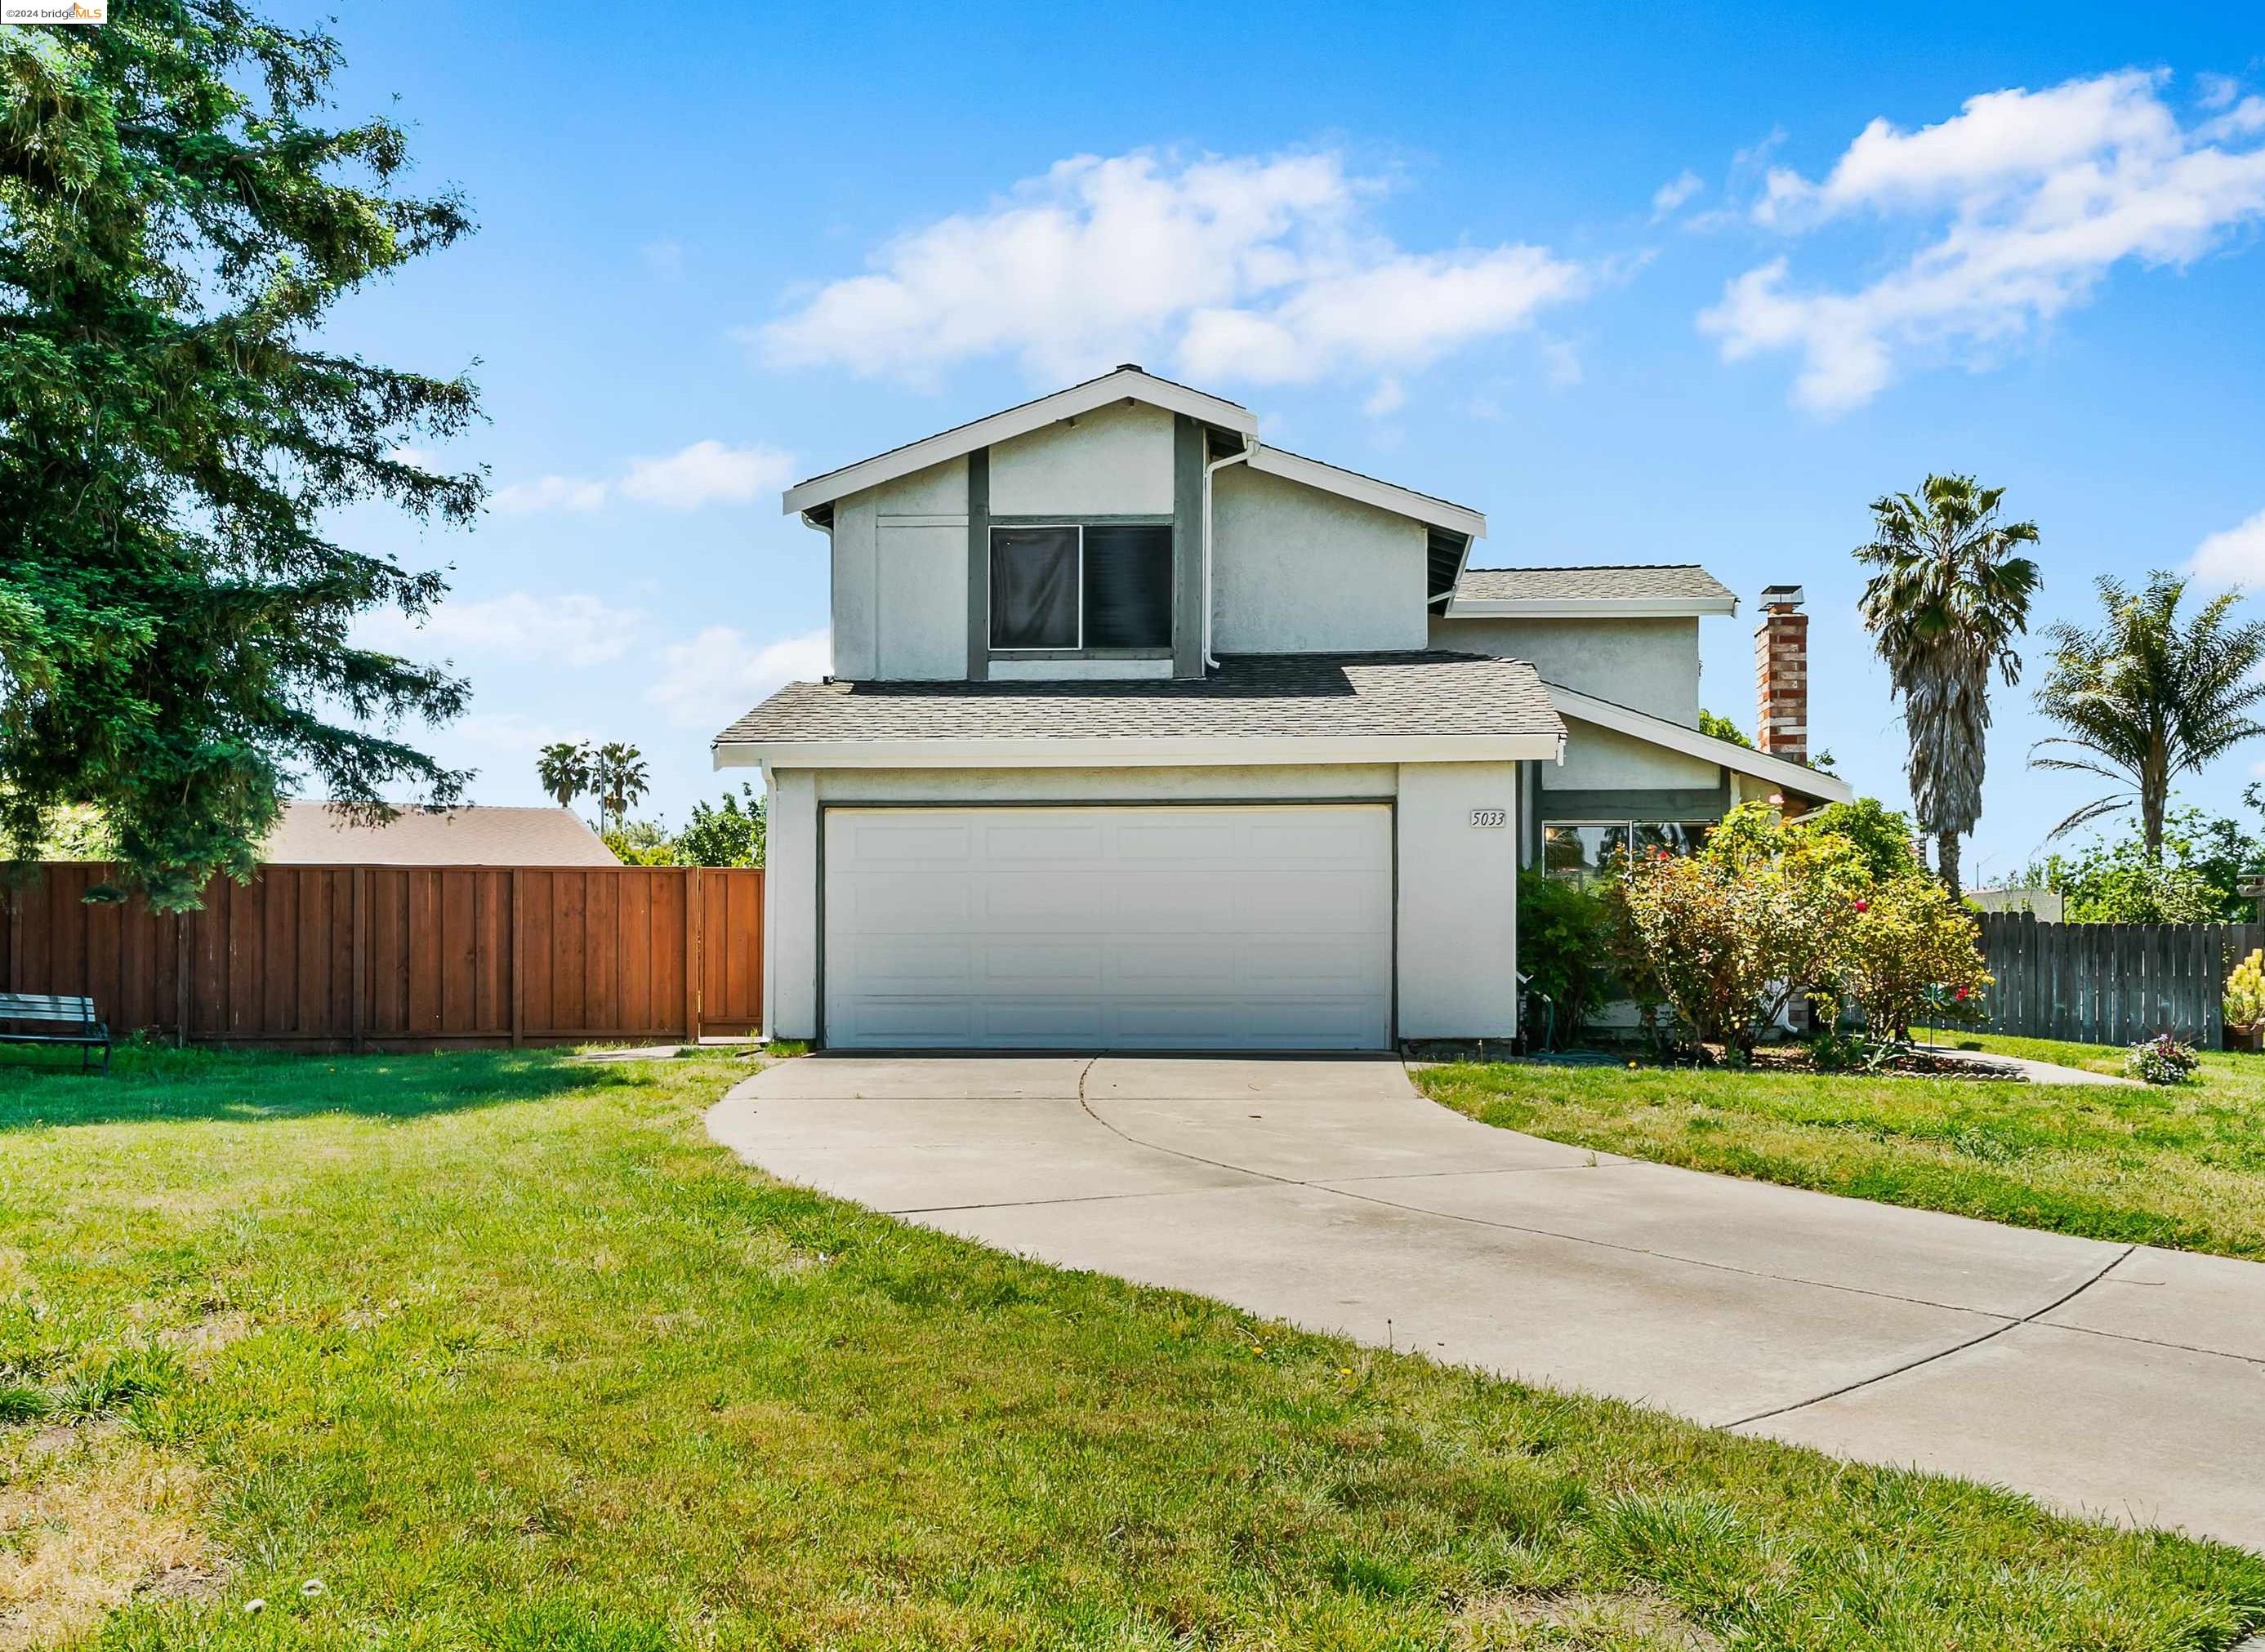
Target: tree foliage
<point>1945,604</point>
<point>2193,876</point>
<point>1565,948</point>
<point>176,223</point>
<point>2146,698</point>
<point>564,769</point>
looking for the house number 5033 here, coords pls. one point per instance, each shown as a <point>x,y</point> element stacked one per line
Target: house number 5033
<point>1489,817</point>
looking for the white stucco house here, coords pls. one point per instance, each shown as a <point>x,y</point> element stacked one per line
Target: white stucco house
<point>1144,734</point>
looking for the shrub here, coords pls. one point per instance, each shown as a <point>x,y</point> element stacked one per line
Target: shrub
<point>2161,1059</point>
<point>1565,947</point>
<point>1912,949</point>
<point>2245,994</point>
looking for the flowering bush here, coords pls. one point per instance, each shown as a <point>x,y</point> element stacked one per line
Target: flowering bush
<point>2161,1059</point>
<point>1772,911</point>
<point>1912,949</point>
<point>2245,994</point>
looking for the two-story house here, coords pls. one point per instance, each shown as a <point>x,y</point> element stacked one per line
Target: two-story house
<point>1143,734</point>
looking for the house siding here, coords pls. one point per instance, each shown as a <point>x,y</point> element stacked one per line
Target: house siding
<point>1296,570</point>
<point>1648,665</point>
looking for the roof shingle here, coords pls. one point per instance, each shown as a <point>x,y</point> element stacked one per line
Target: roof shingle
<point>1429,692</point>
<point>483,834</point>
<point>1619,582</point>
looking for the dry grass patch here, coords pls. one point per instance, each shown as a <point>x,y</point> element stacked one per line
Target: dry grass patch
<point>88,1517</point>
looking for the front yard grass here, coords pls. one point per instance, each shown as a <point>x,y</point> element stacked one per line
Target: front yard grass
<point>496,1350</point>
<point>2182,1167</point>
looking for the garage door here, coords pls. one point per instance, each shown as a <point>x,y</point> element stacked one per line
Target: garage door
<point>1151,929</point>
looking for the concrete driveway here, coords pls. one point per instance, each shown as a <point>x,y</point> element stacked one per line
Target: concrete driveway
<point>2119,1380</point>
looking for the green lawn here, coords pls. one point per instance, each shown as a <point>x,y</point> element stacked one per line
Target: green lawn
<point>502,1352</point>
<point>2181,1167</point>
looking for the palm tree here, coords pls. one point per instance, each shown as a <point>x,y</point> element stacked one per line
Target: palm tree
<point>2146,700</point>
<point>619,776</point>
<point>1944,608</point>
<point>563,768</point>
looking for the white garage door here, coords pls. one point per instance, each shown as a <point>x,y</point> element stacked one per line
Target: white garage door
<point>1155,928</point>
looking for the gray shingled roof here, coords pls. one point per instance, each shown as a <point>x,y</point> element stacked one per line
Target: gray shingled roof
<point>1542,584</point>
<point>1257,695</point>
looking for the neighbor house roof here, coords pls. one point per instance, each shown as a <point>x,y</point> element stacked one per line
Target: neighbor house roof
<point>1797,778</point>
<point>1631,590</point>
<point>316,835</point>
<point>1129,382</point>
<point>1271,708</point>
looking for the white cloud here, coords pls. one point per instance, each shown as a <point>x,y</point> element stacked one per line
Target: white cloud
<point>549,494</point>
<point>2029,199</point>
<point>721,672</point>
<point>1256,267</point>
<point>1561,363</point>
<point>569,629</point>
<point>707,473</point>
<point>2234,556</point>
<point>1388,398</point>
<point>1673,193</point>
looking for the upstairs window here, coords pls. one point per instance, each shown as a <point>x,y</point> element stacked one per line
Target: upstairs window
<point>1075,587</point>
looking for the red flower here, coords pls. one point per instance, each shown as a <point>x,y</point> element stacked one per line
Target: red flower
<point>1863,905</point>
<point>1961,994</point>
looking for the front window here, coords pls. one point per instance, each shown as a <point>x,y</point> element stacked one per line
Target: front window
<point>1584,852</point>
<point>1075,587</point>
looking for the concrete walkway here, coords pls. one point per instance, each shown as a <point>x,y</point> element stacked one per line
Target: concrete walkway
<point>2119,1380</point>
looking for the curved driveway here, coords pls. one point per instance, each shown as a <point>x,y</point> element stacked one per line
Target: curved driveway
<point>2120,1380</point>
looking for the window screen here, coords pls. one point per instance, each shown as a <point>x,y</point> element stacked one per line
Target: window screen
<point>1034,595</point>
<point>1128,586</point>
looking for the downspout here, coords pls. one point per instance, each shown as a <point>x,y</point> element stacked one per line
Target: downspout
<point>1250,446</point>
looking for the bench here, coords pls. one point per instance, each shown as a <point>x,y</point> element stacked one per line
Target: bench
<point>58,1020</point>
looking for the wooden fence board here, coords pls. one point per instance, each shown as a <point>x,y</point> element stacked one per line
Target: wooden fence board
<point>344,956</point>
<point>2110,983</point>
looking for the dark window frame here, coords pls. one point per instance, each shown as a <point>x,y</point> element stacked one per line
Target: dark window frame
<point>1081,648</point>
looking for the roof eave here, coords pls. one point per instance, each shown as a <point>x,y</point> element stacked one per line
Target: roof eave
<point>1138,752</point>
<point>1123,384</point>
<point>1385,496</point>
<point>1588,608</point>
<point>1796,777</point>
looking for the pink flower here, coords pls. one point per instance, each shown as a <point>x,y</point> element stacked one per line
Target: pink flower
<point>1863,905</point>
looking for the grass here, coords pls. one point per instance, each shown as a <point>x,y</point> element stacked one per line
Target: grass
<point>2179,1166</point>
<point>501,1352</point>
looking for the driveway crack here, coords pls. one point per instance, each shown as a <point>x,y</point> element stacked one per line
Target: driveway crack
<point>1941,1354</point>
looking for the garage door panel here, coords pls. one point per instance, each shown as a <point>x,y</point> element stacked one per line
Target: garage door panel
<point>1204,927</point>
<point>1046,902</point>
<point>909,840</point>
<point>1045,967</point>
<point>1006,843</point>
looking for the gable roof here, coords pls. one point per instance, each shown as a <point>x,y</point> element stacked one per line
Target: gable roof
<point>1623,590</point>
<point>316,835</point>
<point>1264,707</point>
<point>1129,382</point>
<point>1786,775</point>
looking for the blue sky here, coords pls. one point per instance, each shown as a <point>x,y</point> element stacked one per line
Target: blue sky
<point>1687,285</point>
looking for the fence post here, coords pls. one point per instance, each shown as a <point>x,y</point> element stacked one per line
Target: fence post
<point>518,959</point>
<point>358,966</point>
<point>694,963</point>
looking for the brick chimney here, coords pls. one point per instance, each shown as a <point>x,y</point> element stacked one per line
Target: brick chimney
<point>1782,674</point>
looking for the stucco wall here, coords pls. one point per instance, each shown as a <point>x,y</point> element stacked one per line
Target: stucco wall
<point>1116,461</point>
<point>900,556</point>
<point>1651,665</point>
<point>1458,901</point>
<point>1296,570</point>
<point>1599,758</point>
<point>1457,921</point>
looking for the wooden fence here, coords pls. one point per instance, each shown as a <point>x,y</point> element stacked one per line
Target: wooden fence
<point>404,957</point>
<point>2110,983</point>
